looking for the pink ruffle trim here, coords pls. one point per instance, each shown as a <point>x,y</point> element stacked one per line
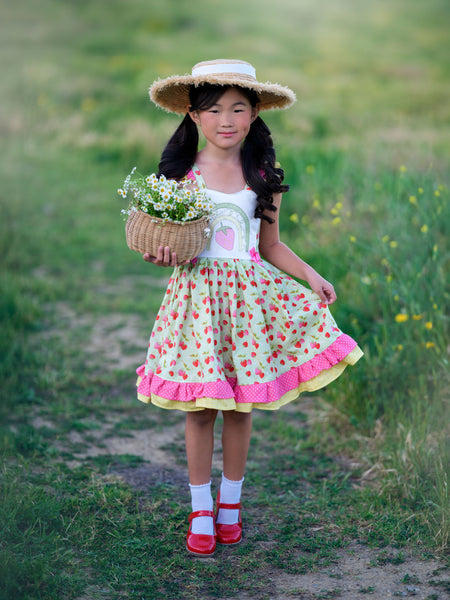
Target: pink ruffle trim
<point>264,392</point>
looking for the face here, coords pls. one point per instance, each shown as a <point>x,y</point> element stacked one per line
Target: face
<point>226,123</point>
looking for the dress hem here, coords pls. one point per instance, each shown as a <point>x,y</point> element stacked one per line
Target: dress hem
<point>315,383</point>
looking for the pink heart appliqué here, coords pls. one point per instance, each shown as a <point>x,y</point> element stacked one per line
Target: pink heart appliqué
<point>225,237</point>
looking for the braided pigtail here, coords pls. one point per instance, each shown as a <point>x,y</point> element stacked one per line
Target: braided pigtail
<point>179,154</point>
<point>260,172</point>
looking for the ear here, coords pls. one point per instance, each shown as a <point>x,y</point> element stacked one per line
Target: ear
<point>195,116</point>
<point>255,112</point>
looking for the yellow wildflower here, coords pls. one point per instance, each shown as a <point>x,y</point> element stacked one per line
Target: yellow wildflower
<point>88,105</point>
<point>437,193</point>
<point>385,238</point>
<point>413,199</point>
<point>43,99</point>
<point>420,190</point>
<point>402,169</point>
<point>393,244</point>
<point>417,317</point>
<point>389,278</point>
<point>336,221</point>
<point>352,239</point>
<point>401,317</point>
<point>429,325</point>
<point>294,218</point>
<point>316,201</point>
<point>310,169</point>
<point>399,347</point>
<point>424,228</point>
<point>429,345</point>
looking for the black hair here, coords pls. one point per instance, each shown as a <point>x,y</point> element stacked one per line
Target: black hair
<point>257,153</point>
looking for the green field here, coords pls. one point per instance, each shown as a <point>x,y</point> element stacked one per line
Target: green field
<point>365,151</point>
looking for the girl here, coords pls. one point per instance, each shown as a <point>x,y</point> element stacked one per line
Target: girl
<point>234,332</point>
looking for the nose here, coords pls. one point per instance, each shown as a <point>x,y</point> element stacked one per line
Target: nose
<point>227,119</point>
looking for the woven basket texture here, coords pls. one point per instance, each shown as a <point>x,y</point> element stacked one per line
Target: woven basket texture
<point>145,234</point>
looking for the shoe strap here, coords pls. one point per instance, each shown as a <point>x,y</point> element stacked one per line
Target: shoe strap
<point>201,513</point>
<point>228,506</point>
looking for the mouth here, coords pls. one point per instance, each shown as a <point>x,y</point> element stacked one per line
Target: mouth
<point>226,133</point>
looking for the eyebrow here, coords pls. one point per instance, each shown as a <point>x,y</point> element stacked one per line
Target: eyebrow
<point>239,103</point>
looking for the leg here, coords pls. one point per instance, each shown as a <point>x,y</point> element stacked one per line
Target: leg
<point>199,435</point>
<point>237,430</point>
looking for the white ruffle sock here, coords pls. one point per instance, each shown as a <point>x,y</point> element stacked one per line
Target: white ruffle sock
<point>230,493</point>
<point>201,499</point>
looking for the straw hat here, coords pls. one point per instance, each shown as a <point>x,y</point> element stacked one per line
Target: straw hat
<point>172,93</point>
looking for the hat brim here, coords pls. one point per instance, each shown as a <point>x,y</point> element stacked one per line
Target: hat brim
<point>172,94</point>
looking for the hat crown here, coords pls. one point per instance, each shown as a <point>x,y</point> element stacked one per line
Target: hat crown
<point>224,67</point>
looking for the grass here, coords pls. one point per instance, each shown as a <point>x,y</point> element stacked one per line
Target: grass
<point>364,151</point>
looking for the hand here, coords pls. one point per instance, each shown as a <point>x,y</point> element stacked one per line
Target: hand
<point>323,288</point>
<point>164,258</point>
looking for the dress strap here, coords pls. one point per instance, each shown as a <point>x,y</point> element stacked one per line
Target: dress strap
<point>195,175</point>
<point>190,175</point>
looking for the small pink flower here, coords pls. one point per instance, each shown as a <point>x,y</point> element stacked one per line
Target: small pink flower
<point>255,256</point>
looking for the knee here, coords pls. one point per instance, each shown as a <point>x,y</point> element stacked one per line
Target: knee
<point>237,418</point>
<point>202,418</point>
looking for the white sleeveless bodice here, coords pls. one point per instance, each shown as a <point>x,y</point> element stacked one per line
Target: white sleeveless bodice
<point>234,228</point>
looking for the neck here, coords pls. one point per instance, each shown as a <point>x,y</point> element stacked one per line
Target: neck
<point>230,156</point>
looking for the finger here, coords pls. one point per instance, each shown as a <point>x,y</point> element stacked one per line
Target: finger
<point>160,254</point>
<point>167,256</point>
<point>323,295</point>
<point>331,294</point>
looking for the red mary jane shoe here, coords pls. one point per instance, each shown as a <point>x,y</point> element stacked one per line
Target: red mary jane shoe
<point>229,534</point>
<point>201,544</point>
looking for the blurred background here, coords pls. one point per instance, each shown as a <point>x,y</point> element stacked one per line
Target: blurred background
<point>365,150</point>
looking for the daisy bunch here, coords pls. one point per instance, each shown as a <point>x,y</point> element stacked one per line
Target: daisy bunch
<point>167,199</point>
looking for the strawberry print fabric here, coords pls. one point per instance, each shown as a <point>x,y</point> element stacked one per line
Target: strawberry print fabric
<point>235,333</point>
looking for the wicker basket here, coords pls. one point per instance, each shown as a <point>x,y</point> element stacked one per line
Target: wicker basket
<point>145,234</point>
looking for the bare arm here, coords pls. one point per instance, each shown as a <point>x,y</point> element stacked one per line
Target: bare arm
<point>282,257</point>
